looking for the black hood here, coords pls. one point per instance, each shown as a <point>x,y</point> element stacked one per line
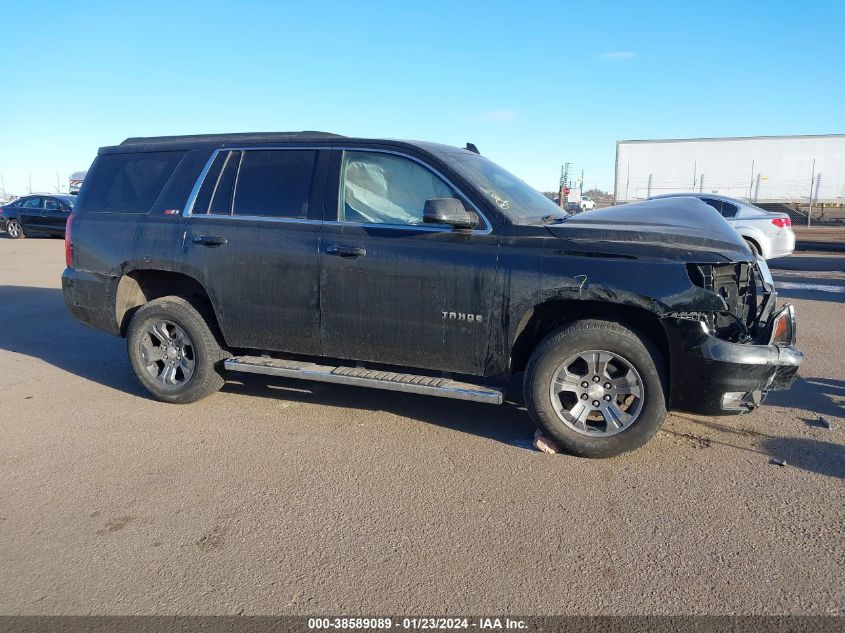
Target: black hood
<point>675,223</point>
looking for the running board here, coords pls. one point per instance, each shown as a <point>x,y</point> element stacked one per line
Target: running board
<point>374,378</point>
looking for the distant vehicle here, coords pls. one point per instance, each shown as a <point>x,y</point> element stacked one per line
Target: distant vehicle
<point>42,213</point>
<point>577,202</point>
<point>768,234</point>
<point>76,179</point>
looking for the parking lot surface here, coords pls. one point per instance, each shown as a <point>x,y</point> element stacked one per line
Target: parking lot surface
<point>283,497</point>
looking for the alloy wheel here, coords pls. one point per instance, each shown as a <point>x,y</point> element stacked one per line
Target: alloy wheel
<point>597,393</point>
<point>167,353</point>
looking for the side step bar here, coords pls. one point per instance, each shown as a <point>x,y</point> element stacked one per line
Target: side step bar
<point>408,383</point>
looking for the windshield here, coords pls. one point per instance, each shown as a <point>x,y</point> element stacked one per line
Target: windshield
<point>521,203</point>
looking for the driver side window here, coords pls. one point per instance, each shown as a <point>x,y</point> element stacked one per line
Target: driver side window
<point>379,188</point>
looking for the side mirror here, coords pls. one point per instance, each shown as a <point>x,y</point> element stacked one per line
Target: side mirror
<point>449,211</point>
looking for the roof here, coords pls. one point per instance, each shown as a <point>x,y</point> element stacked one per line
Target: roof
<point>704,194</point>
<point>203,141</point>
<point>258,137</point>
<point>45,194</point>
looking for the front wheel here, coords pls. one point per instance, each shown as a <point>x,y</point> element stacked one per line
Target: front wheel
<point>15,229</point>
<point>173,352</point>
<point>596,388</point>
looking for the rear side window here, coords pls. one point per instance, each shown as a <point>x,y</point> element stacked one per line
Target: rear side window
<point>274,183</point>
<point>271,183</point>
<point>716,204</point>
<point>127,183</point>
<point>215,195</point>
<point>31,203</point>
<point>729,210</point>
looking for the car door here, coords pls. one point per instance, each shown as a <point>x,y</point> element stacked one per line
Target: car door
<point>30,211</point>
<point>251,239</point>
<point>395,290</point>
<point>54,217</point>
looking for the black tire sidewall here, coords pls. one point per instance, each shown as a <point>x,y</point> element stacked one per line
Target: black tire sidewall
<point>563,344</point>
<point>206,350</point>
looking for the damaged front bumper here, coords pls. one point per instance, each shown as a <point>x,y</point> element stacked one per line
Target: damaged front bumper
<point>713,376</point>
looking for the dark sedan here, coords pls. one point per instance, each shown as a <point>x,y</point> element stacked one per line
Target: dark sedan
<point>38,213</point>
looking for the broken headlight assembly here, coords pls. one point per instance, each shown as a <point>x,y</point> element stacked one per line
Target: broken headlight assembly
<point>748,295</point>
<point>783,326</point>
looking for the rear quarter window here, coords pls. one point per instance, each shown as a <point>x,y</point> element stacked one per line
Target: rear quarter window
<point>127,183</point>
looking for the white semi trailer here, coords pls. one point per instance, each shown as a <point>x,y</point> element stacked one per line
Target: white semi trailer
<point>786,169</point>
<point>76,179</point>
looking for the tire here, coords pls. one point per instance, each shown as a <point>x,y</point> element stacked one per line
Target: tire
<point>15,229</point>
<point>624,423</point>
<point>173,351</point>
<point>754,248</point>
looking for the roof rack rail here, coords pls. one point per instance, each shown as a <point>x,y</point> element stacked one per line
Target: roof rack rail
<point>237,136</point>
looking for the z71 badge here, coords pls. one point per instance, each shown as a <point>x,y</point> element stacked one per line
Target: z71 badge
<point>461,316</point>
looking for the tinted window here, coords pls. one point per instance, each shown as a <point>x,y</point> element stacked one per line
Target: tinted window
<point>275,183</point>
<point>204,196</point>
<point>215,195</point>
<point>729,210</point>
<point>31,203</point>
<point>52,204</point>
<point>716,204</point>
<point>387,189</point>
<point>127,183</point>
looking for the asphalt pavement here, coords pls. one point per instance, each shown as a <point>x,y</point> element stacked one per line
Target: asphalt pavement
<point>284,497</point>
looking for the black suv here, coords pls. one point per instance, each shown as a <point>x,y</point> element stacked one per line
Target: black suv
<point>423,268</point>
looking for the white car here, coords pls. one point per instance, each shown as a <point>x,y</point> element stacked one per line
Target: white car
<point>768,234</point>
<point>587,203</point>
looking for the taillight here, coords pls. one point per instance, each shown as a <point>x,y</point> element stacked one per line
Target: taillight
<point>68,244</point>
<point>782,223</point>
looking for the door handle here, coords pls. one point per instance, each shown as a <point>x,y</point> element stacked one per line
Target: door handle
<point>209,240</point>
<point>346,251</point>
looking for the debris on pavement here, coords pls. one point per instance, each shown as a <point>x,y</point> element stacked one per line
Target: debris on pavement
<point>821,422</point>
<point>545,444</point>
<point>777,462</point>
<point>826,423</point>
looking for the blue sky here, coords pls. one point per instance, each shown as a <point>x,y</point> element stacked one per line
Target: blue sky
<point>533,84</point>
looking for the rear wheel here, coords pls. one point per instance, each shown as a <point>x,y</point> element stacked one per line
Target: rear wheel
<point>15,229</point>
<point>596,388</point>
<point>173,352</point>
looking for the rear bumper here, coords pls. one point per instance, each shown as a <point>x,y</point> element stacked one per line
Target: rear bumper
<point>711,376</point>
<point>782,244</point>
<point>88,297</point>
